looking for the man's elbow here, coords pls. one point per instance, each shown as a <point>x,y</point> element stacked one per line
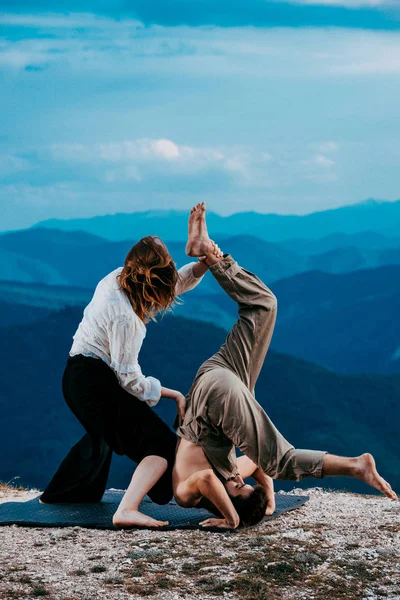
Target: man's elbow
<point>234,522</point>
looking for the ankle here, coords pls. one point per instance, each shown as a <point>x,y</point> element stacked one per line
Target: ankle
<point>125,509</point>
<point>211,259</point>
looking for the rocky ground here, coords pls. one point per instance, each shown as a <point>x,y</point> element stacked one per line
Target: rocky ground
<point>337,546</point>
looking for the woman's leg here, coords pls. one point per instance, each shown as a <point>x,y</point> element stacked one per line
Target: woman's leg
<point>125,425</point>
<point>147,474</point>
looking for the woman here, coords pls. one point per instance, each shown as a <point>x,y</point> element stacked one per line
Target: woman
<point>104,386</point>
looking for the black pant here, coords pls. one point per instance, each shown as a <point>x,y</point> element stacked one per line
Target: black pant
<point>115,421</point>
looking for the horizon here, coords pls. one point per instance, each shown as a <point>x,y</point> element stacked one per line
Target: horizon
<point>366,202</point>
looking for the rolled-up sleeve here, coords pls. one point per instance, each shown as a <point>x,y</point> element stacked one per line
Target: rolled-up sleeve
<point>126,339</point>
<point>186,279</point>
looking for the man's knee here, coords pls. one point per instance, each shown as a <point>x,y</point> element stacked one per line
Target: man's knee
<point>298,463</point>
<point>268,300</point>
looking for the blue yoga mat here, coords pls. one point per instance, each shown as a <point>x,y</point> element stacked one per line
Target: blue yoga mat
<point>99,515</point>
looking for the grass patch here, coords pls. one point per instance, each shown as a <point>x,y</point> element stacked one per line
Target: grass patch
<point>98,569</point>
<point>6,487</point>
<point>39,590</point>
<point>246,587</point>
<point>114,580</point>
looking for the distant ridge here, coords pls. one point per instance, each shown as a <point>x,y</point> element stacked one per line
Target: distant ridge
<point>370,215</point>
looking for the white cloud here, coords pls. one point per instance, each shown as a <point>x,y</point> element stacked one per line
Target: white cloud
<point>325,147</point>
<point>110,48</point>
<point>318,160</point>
<point>66,21</point>
<point>323,161</point>
<point>11,164</point>
<point>346,3</point>
<point>132,158</point>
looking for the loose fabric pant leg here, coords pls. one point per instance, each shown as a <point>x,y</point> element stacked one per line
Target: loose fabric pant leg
<point>235,411</point>
<point>115,421</point>
<point>233,372</point>
<point>247,344</point>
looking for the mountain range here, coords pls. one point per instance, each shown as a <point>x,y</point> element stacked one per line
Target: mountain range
<point>76,258</point>
<point>345,321</point>
<point>371,215</point>
<point>334,362</point>
<point>312,406</point>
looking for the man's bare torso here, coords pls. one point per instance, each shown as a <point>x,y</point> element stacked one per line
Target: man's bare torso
<point>190,459</point>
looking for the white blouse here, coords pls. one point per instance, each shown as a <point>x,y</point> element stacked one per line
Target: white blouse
<point>112,331</point>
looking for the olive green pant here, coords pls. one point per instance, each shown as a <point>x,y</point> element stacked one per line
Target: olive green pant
<point>222,411</point>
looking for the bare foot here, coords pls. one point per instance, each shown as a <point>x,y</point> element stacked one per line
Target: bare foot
<point>41,501</point>
<point>365,470</point>
<point>134,518</point>
<point>198,243</point>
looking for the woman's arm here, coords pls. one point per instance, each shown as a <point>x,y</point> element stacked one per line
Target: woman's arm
<point>206,484</point>
<point>179,399</point>
<point>125,340</point>
<point>189,276</point>
<point>200,268</point>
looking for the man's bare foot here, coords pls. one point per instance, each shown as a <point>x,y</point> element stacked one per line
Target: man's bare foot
<point>198,243</point>
<point>41,501</point>
<point>134,518</point>
<point>365,469</point>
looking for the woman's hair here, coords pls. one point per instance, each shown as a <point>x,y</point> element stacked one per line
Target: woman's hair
<point>149,277</point>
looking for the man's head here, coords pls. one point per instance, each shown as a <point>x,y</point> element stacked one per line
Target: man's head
<point>250,502</point>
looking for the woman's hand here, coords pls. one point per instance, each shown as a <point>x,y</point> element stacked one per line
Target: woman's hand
<point>181,406</point>
<point>216,251</point>
<point>220,523</point>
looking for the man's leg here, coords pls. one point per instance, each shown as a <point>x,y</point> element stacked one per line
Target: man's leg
<point>246,423</point>
<point>247,344</point>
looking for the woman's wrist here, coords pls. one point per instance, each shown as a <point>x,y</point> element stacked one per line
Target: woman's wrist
<point>169,393</point>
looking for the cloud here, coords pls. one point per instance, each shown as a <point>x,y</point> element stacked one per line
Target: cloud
<point>323,161</point>
<point>367,14</point>
<point>318,160</point>
<point>77,20</point>
<point>325,147</point>
<point>110,49</point>
<point>11,164</point>
<point>345,3</point>
<point>133,158</point>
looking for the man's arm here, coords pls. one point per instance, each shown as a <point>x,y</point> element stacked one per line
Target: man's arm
<point>206,483</point>
<point>248,469</point>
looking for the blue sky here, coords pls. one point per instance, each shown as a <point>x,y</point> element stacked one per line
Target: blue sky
<point>286,107</point>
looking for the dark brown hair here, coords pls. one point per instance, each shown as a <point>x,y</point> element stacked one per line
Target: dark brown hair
<point>251,510</point>
<point>149,277</point>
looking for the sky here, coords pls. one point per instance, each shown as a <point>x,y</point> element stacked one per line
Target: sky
<point>285,107</point>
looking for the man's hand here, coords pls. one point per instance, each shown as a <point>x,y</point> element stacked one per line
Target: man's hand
<point>181,406</point>
<point>220,523</point>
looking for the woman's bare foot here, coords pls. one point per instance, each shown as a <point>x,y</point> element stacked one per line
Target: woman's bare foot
<point>198,243</point>
<point>134,518</point>
<point>365,469</point>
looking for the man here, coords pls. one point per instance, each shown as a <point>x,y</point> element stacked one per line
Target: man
<point>222,413</point>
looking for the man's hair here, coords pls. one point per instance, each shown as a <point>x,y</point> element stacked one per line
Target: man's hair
<point>251,510</point>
